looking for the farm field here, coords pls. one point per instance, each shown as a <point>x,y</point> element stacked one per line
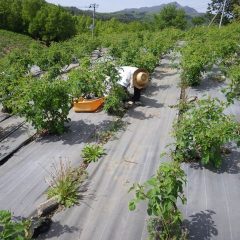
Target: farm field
<point>160,157</point>
<point>132,157</point>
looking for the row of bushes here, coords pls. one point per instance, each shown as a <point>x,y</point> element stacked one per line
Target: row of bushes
<point>208,46</point>
<point>45,101</point>
<point>200,135</point>
<point>201,132</point>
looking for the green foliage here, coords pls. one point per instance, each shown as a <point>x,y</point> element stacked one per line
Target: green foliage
<point>170,16</point>
<point>206,47</point>
<point>82,45</point>
<point>154,227</point>
<point>113,25</point>
<point>52,23</point>
<point>39,19</point>
<point>233,90</point>
<point>114,102</point>
<point>202,131</point>
<point>45,101</point>
<point>141,49</point>
<point>12,68</point>
<point>65,182</point>
<point>51,59</point>
<point>30,9</point>
<point>199,20</point>
<point>96,81</point>
<point>45,104</point>
<point>10,19</point>
<point>91,80</point>
<point>161,193</point>
<point>91,153</point>
<point>12,229</point>
<point>83,23</point>
<point>10,41</point>
<point>215,5</point>
<point>236,12</point>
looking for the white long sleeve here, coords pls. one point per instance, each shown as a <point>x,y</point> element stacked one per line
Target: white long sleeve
<point>126,76</point>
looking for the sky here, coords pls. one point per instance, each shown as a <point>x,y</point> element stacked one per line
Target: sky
<point>114,5</point>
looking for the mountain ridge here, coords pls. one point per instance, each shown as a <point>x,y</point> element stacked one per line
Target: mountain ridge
<point>157,8</point>
<point>132,14</point>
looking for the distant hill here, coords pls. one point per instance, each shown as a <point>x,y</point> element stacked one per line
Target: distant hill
<point>155,9</point>
<point>131,14</point>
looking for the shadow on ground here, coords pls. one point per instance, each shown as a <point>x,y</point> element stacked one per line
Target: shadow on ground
<point>141,112</point>
<point>201,226</point>
<point>78,132</point>
<point>54,229</point>
<point>154,89</point>
<point>13,130</point>
<point>208,84</point>
<point>230,163</point>
<point>164,71</point>
<point>138,114</point>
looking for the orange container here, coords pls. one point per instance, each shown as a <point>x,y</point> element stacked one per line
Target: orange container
<point>87,105</point>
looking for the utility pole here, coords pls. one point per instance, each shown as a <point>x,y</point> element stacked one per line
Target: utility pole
<point>224,5</point>
<point>94,6</point>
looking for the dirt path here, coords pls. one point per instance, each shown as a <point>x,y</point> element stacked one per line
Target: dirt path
<point>103,212</point>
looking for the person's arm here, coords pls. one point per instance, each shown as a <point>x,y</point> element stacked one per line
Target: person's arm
<point>131,72</point>
<point>131,81</point>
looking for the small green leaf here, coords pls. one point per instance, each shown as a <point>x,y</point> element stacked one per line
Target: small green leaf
<point>132,205</point>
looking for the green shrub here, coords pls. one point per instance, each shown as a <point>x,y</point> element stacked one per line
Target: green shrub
<point>65,182</point>
<point>13,230</point>
<point>114,102</point>
<point>11,40</point>
<point>161,193</point>
<point>45,101</point>
<point>206,47</point>
<point>45,104</point>
<point>12,69</point>
<point>202,131</point>
<point>91,153</point>
<point>233,90</point>
<point>92,80</point>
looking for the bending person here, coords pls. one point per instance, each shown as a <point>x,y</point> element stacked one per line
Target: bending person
<point>137,78</point>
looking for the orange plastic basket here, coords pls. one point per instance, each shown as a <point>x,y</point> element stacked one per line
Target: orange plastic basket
<point>87,105</point>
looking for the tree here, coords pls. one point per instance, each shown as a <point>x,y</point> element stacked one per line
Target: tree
<point>15,19</point>
<point>4,11</point>
<point>83,23</point>
<point>30,9</point>
<point>170,16</point>
<point>52,23</point>
<point>199,20</point>
<point>236,11</point>
<point>216,6</point>
<point>10,19</point>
